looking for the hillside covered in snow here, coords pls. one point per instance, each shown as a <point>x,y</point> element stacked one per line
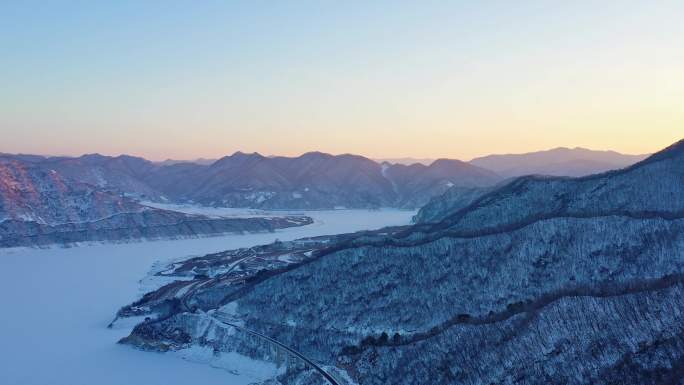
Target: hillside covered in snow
<point>542,280</point>
<point>313,180</point>
<point>40,207</point>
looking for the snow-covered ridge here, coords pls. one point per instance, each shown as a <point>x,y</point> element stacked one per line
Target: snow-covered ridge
<point>311,181</point>
<point>555,280</point>
<point>41,208</point>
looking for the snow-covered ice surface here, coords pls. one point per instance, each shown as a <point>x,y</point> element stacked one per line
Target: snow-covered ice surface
<point>58,302</point>
<point>226,212</point>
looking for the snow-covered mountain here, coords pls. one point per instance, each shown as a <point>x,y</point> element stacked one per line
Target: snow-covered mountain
<point>32,193</point>
<point>556,162</point>
<point>313,180</point>
<point>543,280</point>
<point>40,207</point>
<point>454,199</point>
<point>417,183</point>
<point>559,161</point>
<point>122,174</point>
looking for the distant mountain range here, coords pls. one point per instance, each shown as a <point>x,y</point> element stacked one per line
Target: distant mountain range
<point>313,180</point>
<point>66,200</point>
<point>44,198</point>
<point>559,161</point>
<point>575,162</point>
<point>540,280</point>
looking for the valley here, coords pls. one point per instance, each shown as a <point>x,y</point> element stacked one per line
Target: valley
<point>341,193</point>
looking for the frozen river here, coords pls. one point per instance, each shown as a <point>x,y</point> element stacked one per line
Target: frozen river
<point>56,304</point>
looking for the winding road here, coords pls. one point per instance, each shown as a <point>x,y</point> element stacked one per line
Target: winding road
<point>331,380</point>
<point>194,287</point>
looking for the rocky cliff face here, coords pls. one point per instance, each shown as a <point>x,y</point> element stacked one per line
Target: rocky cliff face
<point>545,280</point>
<point>40,207</point>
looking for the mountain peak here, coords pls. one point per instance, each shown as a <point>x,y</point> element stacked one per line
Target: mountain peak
<point>93,156</point>
<point>444,163</point>
<point>240,154</point>
<point>677,146</point>
<point>316,154</point>
<point>237,156</point>
<point>672,151</point>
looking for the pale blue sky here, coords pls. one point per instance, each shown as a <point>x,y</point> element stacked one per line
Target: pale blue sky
<point>185,79</point>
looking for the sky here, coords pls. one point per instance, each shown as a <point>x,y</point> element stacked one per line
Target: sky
<point>457,79</point>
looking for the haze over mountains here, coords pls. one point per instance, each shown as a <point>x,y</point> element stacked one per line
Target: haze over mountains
<point>313,180</point>
<point>561,161</point>
<point>540,280</point>
<point>39,193</point>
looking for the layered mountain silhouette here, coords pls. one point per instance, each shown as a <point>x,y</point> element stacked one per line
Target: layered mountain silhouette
<point>549,280</point>
<point>313,180</point>
<point>559,161</point>
<point>44,192</point>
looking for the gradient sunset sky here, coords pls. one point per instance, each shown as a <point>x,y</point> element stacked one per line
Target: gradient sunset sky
<point>188,79</point>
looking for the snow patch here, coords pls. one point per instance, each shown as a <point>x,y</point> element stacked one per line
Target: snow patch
<point>234,363</point>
